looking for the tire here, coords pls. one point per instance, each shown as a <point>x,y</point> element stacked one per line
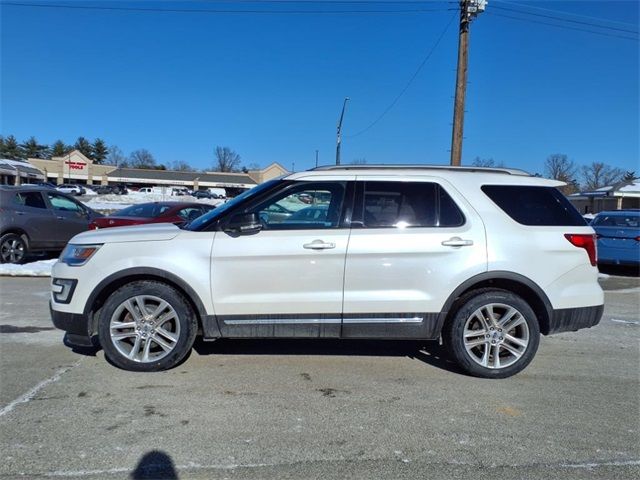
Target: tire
<point>14,248</point>
<point>162,335</point>
<point>489,321</point>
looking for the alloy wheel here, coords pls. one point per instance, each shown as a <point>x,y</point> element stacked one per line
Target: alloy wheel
<point>496,335</point>
<point>144,328</point>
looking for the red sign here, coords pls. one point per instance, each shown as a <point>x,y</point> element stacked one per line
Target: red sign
<point>75,165</point>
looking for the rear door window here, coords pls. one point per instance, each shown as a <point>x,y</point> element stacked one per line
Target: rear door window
<point>535,206</point>
<point>408,204</point>
<point>30,199</point>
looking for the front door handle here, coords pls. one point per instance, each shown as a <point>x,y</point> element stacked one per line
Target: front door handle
<point>457,242</point>
<point>319,245</point>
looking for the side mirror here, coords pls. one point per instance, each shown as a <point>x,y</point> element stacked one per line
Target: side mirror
<point>243,224</point>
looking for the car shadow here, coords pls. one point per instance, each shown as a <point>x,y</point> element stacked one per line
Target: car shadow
<point>429,352</point>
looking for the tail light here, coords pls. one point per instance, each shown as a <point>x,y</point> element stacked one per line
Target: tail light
<point>586,241</point>
<point>93,226</point>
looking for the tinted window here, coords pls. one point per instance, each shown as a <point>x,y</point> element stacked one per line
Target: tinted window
<point>534,205</point>
<point>30,199</point>
<point>409,204</point>
<point>304,206</point>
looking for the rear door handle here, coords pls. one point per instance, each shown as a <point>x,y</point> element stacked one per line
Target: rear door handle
<point>457,242</point>
<point>319,245</point>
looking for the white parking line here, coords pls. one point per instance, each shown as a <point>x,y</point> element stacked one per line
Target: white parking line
<point>629,322</point>
<point>27,397</point>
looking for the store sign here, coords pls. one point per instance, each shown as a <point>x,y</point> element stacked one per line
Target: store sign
<point>75,165</point>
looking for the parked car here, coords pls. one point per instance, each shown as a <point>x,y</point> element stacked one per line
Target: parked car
<point>71,189</point>
<point>204,194</point>
<point>104,189</point>
<point>485,259</point>
<point>45,184</point>
<point>618,234</point>
<point>154,212</point>
<point>36,218</point>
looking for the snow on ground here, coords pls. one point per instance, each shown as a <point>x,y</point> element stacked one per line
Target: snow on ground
<point>118,202</point>
<point>41,268</point>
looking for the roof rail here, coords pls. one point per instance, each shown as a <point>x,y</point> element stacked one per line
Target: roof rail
<point>506,171</point>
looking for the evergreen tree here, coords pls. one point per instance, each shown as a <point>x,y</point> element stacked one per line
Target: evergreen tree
<point>59,149</point>
<point>11,149</point>
<point>100,150</point>
<point>32,149</point>
<point>84,147</point>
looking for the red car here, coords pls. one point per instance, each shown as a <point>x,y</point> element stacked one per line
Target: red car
<point>154,212</point>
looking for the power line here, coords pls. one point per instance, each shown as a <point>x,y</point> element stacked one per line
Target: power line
<point>216,11</point>
<point>406,87</point>
<point>566,27</point>
<point>579,22</point>
<point>564,12</point>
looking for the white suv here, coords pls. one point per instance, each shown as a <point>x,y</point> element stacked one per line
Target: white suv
<point>485,259</point>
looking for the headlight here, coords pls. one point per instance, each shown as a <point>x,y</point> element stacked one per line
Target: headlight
<point>76,255</point>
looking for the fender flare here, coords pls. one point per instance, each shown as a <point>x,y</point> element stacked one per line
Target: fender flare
<point>142,273</point>
<point>499,275</point>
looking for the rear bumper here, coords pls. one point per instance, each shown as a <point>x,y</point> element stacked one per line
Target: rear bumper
<point>572,319</point>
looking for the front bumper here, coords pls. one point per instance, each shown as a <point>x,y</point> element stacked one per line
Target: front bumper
<point>572,319</point>
<point>75,324</point>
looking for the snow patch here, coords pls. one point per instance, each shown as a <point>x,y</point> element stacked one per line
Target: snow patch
<point>118,202</point>
<point>41,268</point>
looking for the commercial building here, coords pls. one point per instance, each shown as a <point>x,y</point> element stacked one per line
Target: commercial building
<point>77,168</point>
<point>622,195</point>
<point>14,172</point>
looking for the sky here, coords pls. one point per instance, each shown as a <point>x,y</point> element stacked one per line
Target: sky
<point>271,86</point>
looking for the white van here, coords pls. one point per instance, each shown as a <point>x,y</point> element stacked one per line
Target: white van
<point>220,192</point>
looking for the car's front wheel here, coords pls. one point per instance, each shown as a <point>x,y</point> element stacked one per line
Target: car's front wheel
<point>493,334</point>
<point>147,326</point>
<point>13,248</point>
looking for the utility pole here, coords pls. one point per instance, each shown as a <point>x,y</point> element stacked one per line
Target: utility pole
<point>316,158</point>
<point>339,139</point>
<point>469,9</point>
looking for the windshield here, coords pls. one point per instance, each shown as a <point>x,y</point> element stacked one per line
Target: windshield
<point>207,218</point>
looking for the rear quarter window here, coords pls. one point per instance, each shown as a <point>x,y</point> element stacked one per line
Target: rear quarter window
<point>536,206</point>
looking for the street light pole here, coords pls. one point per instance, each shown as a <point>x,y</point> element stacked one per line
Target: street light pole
<point>316,158</point>
<point>339,139</point>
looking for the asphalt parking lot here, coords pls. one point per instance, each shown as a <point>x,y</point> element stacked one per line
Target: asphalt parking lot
<point>319,409</point>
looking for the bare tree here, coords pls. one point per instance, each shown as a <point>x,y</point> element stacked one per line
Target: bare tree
<point>226,160</point>
<point>486,162</point>
<point>598,175</point>
<point>359,161</point>
<point>181,166</point>
<point>142,159</point>
<point>630,176</point>
<point>115,157</point>
<point>559,167</point>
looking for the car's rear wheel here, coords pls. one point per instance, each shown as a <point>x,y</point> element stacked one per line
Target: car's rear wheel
<point>493,334</point>
<point>14,248</point>
<point>147,326</point>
